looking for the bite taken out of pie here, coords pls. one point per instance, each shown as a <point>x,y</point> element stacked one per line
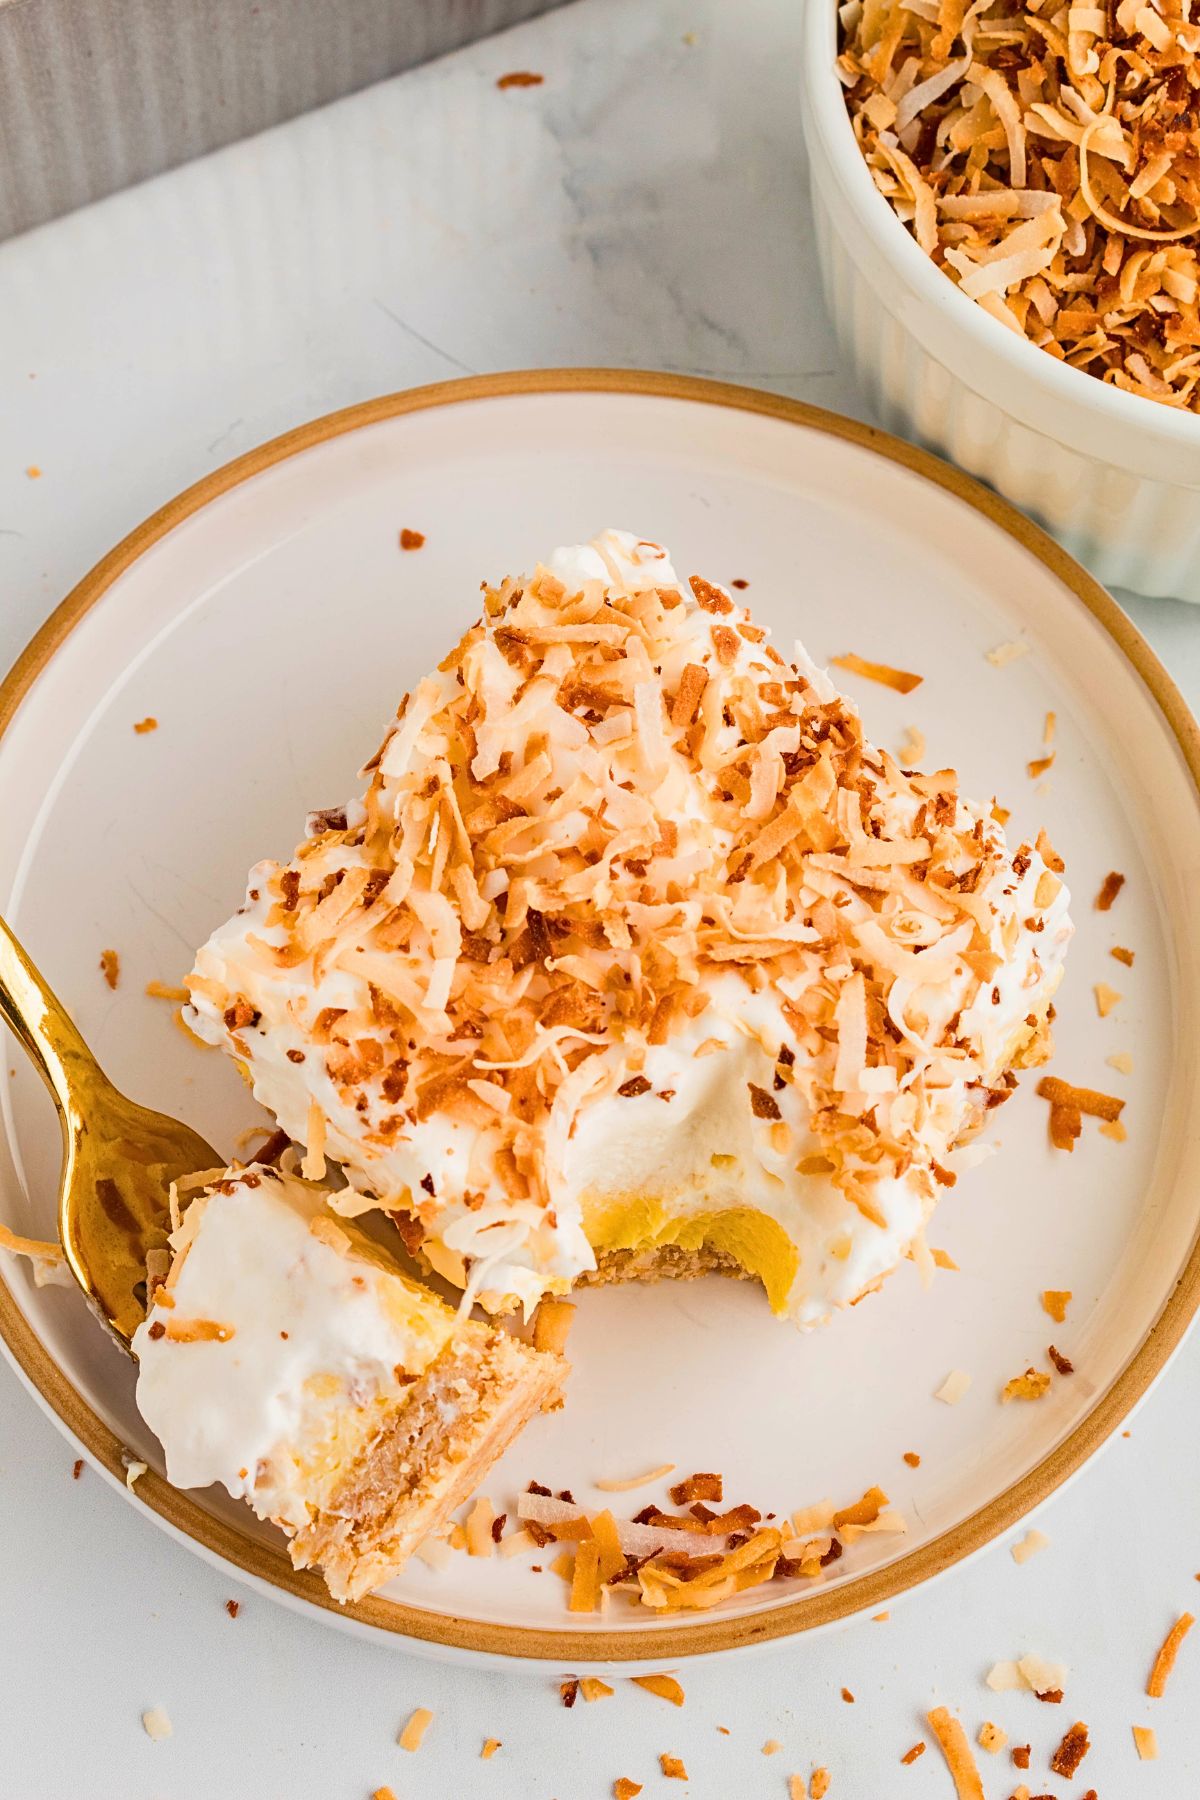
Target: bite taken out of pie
<point>636,958</point>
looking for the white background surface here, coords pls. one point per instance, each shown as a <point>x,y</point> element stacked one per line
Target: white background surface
<point>645,206</point>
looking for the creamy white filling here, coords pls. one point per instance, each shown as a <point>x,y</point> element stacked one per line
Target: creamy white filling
<point>313,1331</point>
<point>600,1143</point>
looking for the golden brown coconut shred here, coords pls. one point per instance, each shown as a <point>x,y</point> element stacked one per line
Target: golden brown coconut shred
<point>1048,159</point>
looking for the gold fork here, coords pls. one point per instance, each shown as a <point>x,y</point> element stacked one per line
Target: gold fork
<point>119,1159</point>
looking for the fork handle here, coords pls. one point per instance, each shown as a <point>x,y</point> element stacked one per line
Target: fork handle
<point>39,1018</point>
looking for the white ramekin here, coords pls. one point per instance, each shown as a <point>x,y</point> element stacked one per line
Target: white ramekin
<point>1114,477</point>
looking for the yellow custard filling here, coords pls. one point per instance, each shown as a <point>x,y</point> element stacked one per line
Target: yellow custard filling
<point>638,1222</point>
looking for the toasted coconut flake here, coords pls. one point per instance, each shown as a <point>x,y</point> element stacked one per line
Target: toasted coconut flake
<point>992,1738</point>
<point>156,1724</point>
<point>1106,998</point>
<point>636,1481</point>
<point>47,1259</point>
<point>1115,1130</point>
<point>593,1689</point>
<point>585,1578</point>
<point>551,1325</point>
<point>418,1724</point>
<point>918,1749</point>
<point>160,990</point>
<point>818,1785</point>
<point>1055,1301</point>
<point>772,1747</point>
<point>1110,887</point>
<point>1029,1545</point>
<point>1029,1386</point>
<point>952,1740</point>
<point>1002,654</point>
<point>1087,1100</point>
<point>1146,1741</point>
<point>954,1387</point>
<point>796,1790</point>
<point>1071,1752</point>
<point>312,1166</point>
<point>480,1541</point>
<point>898,679</point>
<point>913,748</point>
<point>672,1767</point>
<point>490,1747</point>
<point>624,1789</point>
<point>110,967</point>
<point>665,1686</point>
<point>1042,1677</point>
<point>1164,1662</point>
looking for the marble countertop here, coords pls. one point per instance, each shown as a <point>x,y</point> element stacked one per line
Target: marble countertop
<point>644,207</point>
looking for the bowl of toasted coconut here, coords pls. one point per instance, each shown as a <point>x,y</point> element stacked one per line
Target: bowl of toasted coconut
<point>1007,203</point>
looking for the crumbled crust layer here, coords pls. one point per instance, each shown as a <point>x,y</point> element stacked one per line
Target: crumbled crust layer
<point>452,1426</point>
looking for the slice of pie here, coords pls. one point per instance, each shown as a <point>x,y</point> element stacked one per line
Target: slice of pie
<point>286,1358</point>
<point>636,958</point>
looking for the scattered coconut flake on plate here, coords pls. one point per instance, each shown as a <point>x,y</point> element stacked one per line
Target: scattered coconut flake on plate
<point>636,1481</point>
<point>1001,654</point>
<point>1121,1061</point>
<point>665,1686</point>
<point>954,1387</point>
<point>1056,1301</point>
<point>912,748</point>
<point>1106,998</point>
<point>900,680</point>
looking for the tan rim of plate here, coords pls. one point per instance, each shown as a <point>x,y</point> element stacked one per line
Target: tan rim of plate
<point>823,1606</point>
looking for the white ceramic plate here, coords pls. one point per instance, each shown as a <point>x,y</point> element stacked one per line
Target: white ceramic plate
<point>269,621</point>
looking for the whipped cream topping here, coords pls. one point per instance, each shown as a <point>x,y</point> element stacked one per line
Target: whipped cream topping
<point>311,1333</point>
<point>628,893</point>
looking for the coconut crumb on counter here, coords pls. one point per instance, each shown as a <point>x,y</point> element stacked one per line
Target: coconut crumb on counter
<point>490,1747</point>
<point>110,967</point>
<point>912,1459</point>
<point>520,78</point>
<point>1029,1545</point>
<point>1029,1386</point>
<point>772,1747</point>
<point>1072,1750</point>
<point>142,726</point>
<point>411,540</point>
<point>847,1696</point>
<point>796,1788</point>
<point>412,1733</point>
<point>77,1468</point>
<point>592,1688</point>
<point>156,1724</point>
<point>233,1608</point>
<point>992,1738</point>
<point>1146,1739</point>
<point>952,1740</point>
<point>624,1789</point>
<point>1110,887</point>
<point>1164,1662</point>
<point>665,1686</point>
<point>383,1793</point>
<point>672,1767</point>
<point>954,1387</point>
<point>918,1749</point>
<point>900,680</point>
<point>636,1481</point>
<point>818,1785</point>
